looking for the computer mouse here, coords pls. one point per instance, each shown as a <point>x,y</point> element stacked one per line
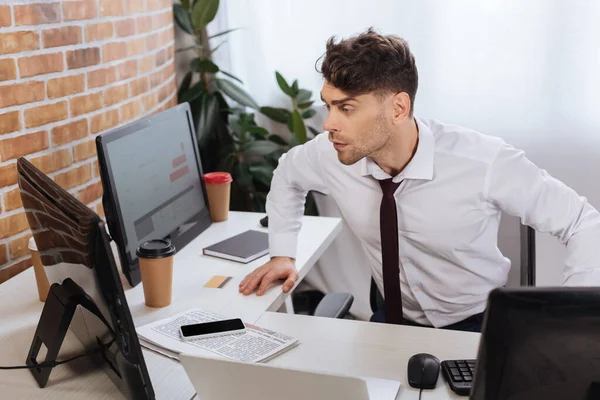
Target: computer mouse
<point>265,221</point>
<point>423,371</point>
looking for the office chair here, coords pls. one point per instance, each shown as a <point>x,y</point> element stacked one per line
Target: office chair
<point>337,305</point>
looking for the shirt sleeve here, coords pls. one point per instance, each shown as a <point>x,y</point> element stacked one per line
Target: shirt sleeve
<point>518,187</point>
<point>299,171</point>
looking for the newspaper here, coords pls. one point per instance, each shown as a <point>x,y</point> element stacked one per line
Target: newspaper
<point>254,345</point>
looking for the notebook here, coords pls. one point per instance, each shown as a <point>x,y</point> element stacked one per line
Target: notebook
<point>245,247</point>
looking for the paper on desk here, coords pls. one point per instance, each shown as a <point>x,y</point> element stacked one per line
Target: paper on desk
<point>254,345</point>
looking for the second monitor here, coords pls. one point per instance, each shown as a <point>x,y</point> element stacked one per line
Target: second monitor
<point>153,187</point>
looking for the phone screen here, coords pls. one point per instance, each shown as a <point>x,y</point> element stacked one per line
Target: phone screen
<point>212,327</point>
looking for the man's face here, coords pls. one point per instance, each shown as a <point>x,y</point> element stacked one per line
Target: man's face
<point>357,126</point>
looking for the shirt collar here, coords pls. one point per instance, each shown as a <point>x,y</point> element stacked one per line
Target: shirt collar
<point>421,165</point>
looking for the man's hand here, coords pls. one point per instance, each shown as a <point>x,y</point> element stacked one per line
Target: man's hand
<point>277,268</point>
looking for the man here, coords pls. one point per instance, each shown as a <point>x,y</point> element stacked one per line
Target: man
<point>423,197</point>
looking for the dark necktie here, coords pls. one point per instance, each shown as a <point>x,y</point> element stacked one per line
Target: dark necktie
<point>388,218</point>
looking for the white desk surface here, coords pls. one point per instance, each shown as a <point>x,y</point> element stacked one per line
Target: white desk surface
<point>340,346</point>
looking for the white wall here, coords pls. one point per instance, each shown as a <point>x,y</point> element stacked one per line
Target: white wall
<point>527,71</point>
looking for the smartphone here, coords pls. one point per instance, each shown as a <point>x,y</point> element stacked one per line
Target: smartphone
<point>212,329</point>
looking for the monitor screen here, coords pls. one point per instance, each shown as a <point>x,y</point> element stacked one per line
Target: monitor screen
<point>153,185</point>
<point>76,256</point>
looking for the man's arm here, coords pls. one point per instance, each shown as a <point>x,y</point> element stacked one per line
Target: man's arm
<point>520,188</point>
<point>299,171</point>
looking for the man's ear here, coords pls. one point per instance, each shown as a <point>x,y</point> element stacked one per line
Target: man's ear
<point>401,105</point>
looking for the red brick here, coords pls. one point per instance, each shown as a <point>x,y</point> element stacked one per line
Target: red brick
<point>101,77</point>
<point>14,269</point>
<point>114,51</point>
<point>153,41</point>
<point>41,64</point>
<point>136,46</point>
<point>16,42</point>
<point>36,14</point>
<point>156,79</point>
<point>125,27</point>
<point>138,86</point>
<point>10,226</point>
<point>3,257</point>
<point>42,115</point>
<point>21,93</point>
<point>96,169</point>
<point>150,101</point>
<point>54,161</point>
<point>69,132</point>
<point>8,175</point>
<point>79,10</point>
<point>23,145</point>
<point>130,110</point>
<point>90,193</point>
<point>162,20</point>
<point>100,210</point>
<point>12,199</point>
<point>8,70</point>
<point>99,31</point>
<point>5,20</point>
<point>10,122</point>
<point>135,6</point>
<point>164,92</point>
<point>127,69</point>
<point>61,87</point>
<point>112,8</point>
<point>154,5</point>
<point>85,150</point>
<point>64,36</point>
<point>116,94</point>
<point>83,57</point>
<point>104,121</point>
<point>162,57</point>
<point>144,24</point>
<point>147,63</point>
<point>85,103</point>
<point>74,177</point>
<point>19,247</point>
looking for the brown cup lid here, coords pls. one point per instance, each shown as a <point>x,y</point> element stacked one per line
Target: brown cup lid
<point>157,248</point>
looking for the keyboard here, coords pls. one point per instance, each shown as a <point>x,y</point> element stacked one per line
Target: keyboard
<point>459,375</point>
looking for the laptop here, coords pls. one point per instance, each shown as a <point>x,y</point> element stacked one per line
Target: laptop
<point>218,379</point>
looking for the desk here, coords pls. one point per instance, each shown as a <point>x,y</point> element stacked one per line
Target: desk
<point>341,346</point>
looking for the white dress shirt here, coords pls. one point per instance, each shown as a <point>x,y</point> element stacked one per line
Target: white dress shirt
<point>449,205</point>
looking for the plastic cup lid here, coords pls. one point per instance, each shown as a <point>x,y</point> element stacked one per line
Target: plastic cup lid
<point>158,248</point>
<point>32,245</point>
<point>218,177</point>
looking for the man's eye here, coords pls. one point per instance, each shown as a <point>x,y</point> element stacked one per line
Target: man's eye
<point>346,110</point>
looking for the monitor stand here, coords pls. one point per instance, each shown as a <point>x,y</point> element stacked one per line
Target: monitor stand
<point>56,317</point>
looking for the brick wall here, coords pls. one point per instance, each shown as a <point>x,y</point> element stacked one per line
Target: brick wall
<point>70,70</point>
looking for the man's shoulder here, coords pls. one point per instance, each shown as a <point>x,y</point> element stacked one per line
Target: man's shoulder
<point>463,142</point>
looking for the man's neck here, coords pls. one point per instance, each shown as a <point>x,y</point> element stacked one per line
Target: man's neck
<point>399,150</point>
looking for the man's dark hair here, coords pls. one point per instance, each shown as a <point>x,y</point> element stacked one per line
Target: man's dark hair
<point>371,63</point>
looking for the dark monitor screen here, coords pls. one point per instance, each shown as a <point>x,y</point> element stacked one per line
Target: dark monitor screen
<point>152,179</point>
<point>540,343</point>
<point>75,252</point>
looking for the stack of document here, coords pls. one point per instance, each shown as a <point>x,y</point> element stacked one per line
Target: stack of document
<point>253,346</point>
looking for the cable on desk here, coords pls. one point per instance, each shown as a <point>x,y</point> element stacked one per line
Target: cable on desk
<point>420,393</point>
<point>52,364</point>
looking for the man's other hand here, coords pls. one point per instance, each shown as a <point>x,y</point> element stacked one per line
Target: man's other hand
<point>262,277</point>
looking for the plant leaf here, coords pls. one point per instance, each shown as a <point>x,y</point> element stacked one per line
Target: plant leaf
<point>309,113</point>
<point>261,147</point>
<point>258,130</point>
<point>182,17</point>
<point>314,131</point>
<point>283,84</point>
<point>298,127</point>
<point>262,173</point>
<point>204,66</point>
<point>303,96</point>
<point>209,112</point>
<point>203,12</point>
<point>193,47</point>
<point>277,139</point>
<point>231,76</point>
<point>295,88</point>
<point>186,4</point>
<point>276,114</point>
<point>210,53</point>
<point>195,91</point>
<point>223,33</point>
<point>305,105</point>
<point>241,175</point>
<point>236,93</point>
<point>185,85</point>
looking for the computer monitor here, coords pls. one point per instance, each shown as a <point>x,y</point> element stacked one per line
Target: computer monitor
<point>86,294</point>
<point>153,186</point>
<point>540,343</point>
